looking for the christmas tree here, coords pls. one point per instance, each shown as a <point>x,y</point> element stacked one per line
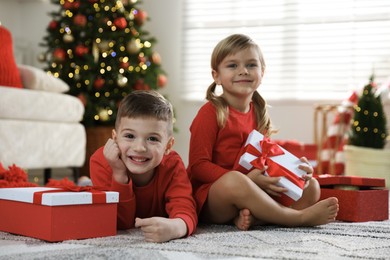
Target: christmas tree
<point>99,48</point>
<point>369,122</point>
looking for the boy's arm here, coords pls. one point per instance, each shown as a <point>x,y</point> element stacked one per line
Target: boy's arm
<point>178,195</point>
<point>101,176</point>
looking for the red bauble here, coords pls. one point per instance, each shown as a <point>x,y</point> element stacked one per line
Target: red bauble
<point>140,17</point>
<point>99,82</point>
<point>124,65</point>
<point>83,99</point>
<point>141,59</point>
<point>161,80</point>
<point>120,23</point>
<point>80,20</point>
<point>81,50</point>
<point>156,58</point>
<point>59,55</point>
<point>140,85</point>
<point>71,4</point>
<point>53,25</point>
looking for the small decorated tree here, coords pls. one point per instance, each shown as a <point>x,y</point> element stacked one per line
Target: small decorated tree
<point>369,121</point>
<point>100,49</point>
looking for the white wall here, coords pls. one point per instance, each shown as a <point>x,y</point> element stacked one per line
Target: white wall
<point>294,119</point>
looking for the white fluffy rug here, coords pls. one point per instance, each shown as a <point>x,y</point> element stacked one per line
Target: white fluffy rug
<point>339,240</point>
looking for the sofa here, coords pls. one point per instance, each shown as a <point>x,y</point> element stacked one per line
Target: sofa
<point>40,125</point>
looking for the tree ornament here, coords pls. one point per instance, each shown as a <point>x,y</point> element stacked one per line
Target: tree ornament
<point>140,85</point>
<point>161,80</point>
<point>95,52</point>
<point>53,24</point>
<point>133,46</point>
<point>80,20</point>
<point>141,58</point>
<point>120,23</point>
<point>83,99</point>
<point>81,50</point>
<point>68,38</point>
<point>122,81</point>
<point>140,17</point>
<point>124,65</point>
<point>156,58</point>
<point>59,55</point>
<point>69,4</point>
<point>103,45</point>
<point>103,115</point>
<point>98,83</point>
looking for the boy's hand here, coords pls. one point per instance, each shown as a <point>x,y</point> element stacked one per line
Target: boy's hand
<point>266,183</point>
<point>306,166</point>
<point>159,229</point>
<point>112,154</point>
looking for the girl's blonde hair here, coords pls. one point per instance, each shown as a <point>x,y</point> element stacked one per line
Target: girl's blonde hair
<point>229,46</point>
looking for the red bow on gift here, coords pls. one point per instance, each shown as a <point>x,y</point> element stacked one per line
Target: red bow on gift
<point>268,149</point>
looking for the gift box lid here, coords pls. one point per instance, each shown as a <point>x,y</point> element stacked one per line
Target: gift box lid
<point>327,180</point>
<point>57,196</point>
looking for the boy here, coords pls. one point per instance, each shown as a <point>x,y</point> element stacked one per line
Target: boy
<point>155,192</point>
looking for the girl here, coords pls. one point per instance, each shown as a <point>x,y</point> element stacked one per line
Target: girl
<point>218,132</point>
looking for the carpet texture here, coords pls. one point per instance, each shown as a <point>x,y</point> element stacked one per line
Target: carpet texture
<point>338,240</point>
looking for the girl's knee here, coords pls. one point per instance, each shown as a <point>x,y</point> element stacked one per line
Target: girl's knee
<point>235,183</point>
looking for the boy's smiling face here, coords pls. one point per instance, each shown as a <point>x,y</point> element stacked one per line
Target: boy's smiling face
<point>142,143</point>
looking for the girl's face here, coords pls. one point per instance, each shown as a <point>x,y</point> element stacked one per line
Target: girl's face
<point>142,143</point>
<point>239,74</point>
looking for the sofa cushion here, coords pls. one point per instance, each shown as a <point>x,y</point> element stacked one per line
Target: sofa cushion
<point>9,73</point>
<point>38,145</point>
<point>38,79</point>
<point>36,105</point>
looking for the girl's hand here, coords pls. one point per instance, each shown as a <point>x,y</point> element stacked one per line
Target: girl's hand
<point>112,154</point>
<point>306,166</point>
<point>266,183</point>
<point>159,229</point>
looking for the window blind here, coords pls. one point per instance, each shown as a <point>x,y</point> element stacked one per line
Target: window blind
<point>312,48</point>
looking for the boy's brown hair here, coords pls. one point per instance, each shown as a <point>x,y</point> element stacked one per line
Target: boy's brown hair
<point>146,104</point>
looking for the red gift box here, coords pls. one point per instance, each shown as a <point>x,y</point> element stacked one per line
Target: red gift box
<point>259,151</point>
<point>53,214</point>
<point>360,199</point>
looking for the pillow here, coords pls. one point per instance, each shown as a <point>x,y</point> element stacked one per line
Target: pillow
<point>9,74</point>
<point>38,79</point>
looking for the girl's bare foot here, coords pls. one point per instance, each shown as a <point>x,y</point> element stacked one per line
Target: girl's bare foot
<point>323,212</point>
<point>244,220</point>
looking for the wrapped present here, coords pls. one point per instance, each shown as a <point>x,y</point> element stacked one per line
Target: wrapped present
<point>57,214</point>
<point>360,199</point>
<point>259,151</point>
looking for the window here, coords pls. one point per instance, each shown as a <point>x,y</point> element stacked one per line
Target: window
<point>312,48</point>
